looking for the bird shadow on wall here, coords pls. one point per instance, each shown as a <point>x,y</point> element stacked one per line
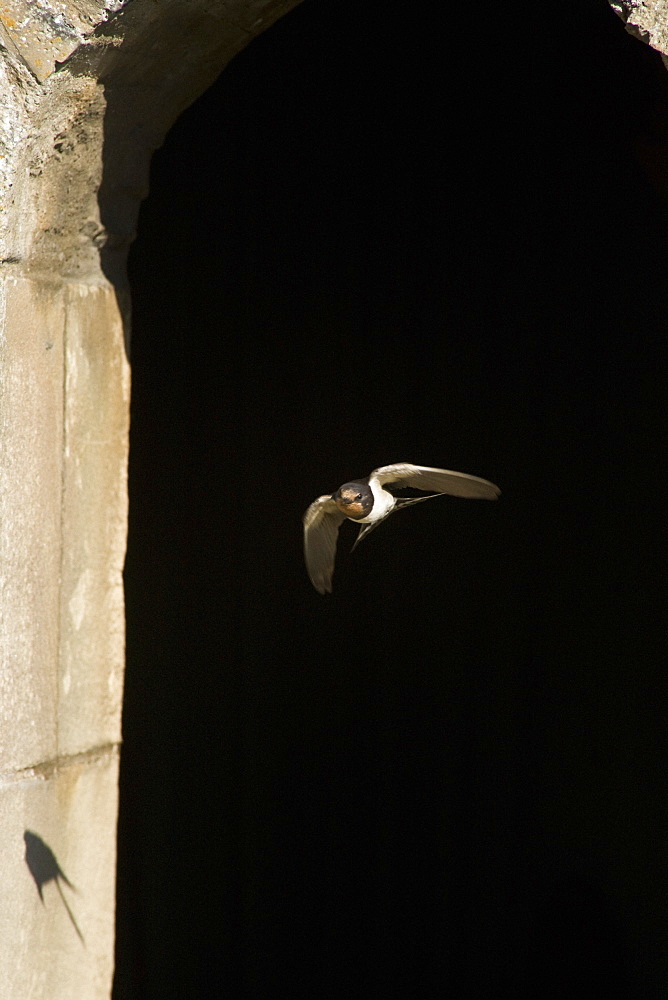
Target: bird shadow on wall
<point>43,866</point>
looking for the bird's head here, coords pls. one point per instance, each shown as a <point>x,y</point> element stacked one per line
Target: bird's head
<point>355,500</point>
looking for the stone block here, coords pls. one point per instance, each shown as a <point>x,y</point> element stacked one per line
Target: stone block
<point>32,316</point>
<point>58,833</point>
<point>45,33</point>
<point>94,514</point>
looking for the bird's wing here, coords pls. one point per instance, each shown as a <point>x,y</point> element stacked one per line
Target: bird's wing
<point>422,477</point>
<point>322,521</point>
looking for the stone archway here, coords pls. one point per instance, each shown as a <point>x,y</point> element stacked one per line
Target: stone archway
<point>86,96</point>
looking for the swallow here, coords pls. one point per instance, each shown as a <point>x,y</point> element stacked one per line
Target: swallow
<point>369,502</point>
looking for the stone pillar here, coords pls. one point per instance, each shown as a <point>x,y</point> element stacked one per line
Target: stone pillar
<point>87,91</point>
<point>65,391</point>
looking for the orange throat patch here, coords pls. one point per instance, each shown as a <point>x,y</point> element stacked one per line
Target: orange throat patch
<point>354,510</point>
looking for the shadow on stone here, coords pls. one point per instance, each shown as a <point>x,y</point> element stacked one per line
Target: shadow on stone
<point>43,866</point>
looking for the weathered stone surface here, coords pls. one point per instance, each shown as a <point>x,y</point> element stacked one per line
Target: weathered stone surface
<point>31,446</point>
<point>65,402</point>
<point>51,165</point>
<point>96,413</point>
<point>58,832</point>
<point>646,19</point>
<point>46,32</point>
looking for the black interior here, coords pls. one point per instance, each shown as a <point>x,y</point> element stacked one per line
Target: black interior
<point>401,232</point>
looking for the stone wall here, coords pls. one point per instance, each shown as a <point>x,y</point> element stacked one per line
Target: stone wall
<point>647,20</point>
<point>87,92</point>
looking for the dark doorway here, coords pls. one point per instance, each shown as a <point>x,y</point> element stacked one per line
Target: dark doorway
<point>385,235</point>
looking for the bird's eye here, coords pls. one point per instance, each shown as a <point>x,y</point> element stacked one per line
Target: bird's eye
<point>358,496</point>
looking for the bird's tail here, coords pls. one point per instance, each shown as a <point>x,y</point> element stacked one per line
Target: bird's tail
<point>400,502</point>
<point>406,501</point>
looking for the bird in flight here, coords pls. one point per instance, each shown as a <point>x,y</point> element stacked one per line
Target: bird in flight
<point>370,501</point>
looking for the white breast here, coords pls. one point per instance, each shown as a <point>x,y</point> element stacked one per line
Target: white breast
<point>383,502</point>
